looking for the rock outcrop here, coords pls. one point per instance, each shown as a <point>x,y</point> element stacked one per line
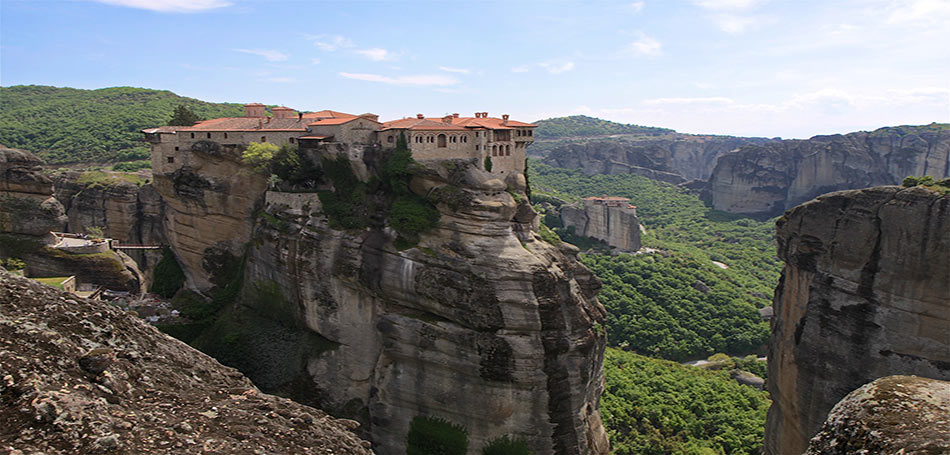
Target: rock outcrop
<point>673,158</point>
<point>83,377</point>
<point>481,324</point>
<point>767,179</point>
<point>26,202</point>
<point>864,294</point>
<point>617,225</point>
<point>896,414</point>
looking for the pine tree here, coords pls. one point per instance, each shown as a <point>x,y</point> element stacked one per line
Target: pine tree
<point>183,117</point>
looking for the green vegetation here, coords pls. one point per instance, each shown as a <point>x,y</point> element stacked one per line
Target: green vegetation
<point>412,215</point>
<point>656,407</point>
<point>101,179</point>
<point>56,282</point>
<point>183,117</point>
<point>13,264</point>
<point>658,304</point>
<point>434,436</point>
<point>488,163</point>
<point>259,155</point>
<point>927,181</point>
<point>132,166</point>
<point>582,125</point>
<point>506,445</point>
<point>346,205</point>
<point>67,125</point>
<point>167,278</point>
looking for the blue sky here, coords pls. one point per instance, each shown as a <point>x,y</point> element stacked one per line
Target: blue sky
<point>742,67</point>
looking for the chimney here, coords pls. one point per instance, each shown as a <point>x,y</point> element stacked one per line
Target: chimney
<point>370,116</point>
<point>447,119</point>
<point>484,114</point>
<point>255,110</point>
<point>455,115</point>
<point>478,115</point>
<point>504,119</point>
<point>282,112</point>
<point>420,116</point>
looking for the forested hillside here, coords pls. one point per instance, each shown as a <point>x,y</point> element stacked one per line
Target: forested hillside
<point>582,125</point>
<point>676,303</point>
<point>656,407</point>
<point>65,125</point>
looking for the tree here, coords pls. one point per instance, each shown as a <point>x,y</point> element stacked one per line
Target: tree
<point>183,117</point>
<point>488,163</point>
<point>259,155</point>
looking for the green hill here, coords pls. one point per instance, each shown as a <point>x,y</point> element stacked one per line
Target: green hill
<point>582,125</point>
<point>656,407</point>
<point>676,304</point>
<point>67,125</point>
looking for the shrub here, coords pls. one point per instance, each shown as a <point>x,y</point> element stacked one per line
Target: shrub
<point>259,156</point>
<point>488,163</point>
<point>411,215</point>
<point>132,166</point>
<point>435,436</point>
<point>167,278</point>
<point>506,445</point>
<point>12,264</point>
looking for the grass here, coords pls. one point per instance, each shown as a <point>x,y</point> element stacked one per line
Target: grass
<point>56,281</point>
<point>102,179</point>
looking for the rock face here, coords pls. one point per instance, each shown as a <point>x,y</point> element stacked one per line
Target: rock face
<point>767,179</point>
<point>673,158</point>
<point>895,414</point>
<point>81,376</point>
<point>481,324</point>
<point>26,205</point>
<point>864,294</point>
<point>616,225</point>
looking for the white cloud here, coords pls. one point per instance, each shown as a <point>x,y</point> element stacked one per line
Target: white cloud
<point>557,67</point>
<point>646,45</point>
<point>706,100</point>
<point>918,11</point>
<point>270,55</point>
<point>733,24</point>
<point>733,5</point>
<point>413,80</point>
<point>170,6</point>
<point>377,54</point>
<point>282,80</point>
<point>636,6</point>
<point>449,69</point>
<point>315,61</point>
<point>521,69</point>
<point>331,43</point>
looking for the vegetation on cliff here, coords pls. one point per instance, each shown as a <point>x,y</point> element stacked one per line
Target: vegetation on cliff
<point>940,186</point>
<point>582,125</point>
<point>676,303</point>
<point>657,407</point>
<point>66,125</point>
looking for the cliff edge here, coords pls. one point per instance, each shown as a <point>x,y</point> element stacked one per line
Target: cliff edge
<point>864,294</point>
<point>82,377</point>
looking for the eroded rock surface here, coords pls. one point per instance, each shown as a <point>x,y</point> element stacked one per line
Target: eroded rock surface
<point>673,158</point>
<point>767,179</point>
<point>616,225</point>
<point>865,293</point>
<point>83,377</point>
<point>908,415</point>
<point>26,202</point>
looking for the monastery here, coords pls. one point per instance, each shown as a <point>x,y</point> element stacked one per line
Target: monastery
<point>448,137</point>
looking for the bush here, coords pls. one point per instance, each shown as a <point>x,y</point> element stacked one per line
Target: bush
<point>506,446</point>
<point>488,163</point>
<point>167,278</point>
<point>411,215</point>
<point>259,155</point>
<point>132,166</point>
<point>435,436</point>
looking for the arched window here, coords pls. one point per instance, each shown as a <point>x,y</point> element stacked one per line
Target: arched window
<point>441,141</point>
<point>494,150</point>
<point>389,139</point>
<point>465,139</point>
<point>507,150</point>
<point>291,140</point>
<point>453,139</point>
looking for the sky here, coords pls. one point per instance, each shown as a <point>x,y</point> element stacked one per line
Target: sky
<point>770,68</point>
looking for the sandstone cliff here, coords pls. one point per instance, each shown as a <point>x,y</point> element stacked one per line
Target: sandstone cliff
<point>673,158</point>
<point>618,226</point>
<point>767,179</point>
<point>896,414</point>
<point>481,323</point>
<point>83,377</point>
<point>864,294</point>
<point>26,202</point>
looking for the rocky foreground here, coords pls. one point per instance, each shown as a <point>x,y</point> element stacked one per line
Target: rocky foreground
<point>80,376</point>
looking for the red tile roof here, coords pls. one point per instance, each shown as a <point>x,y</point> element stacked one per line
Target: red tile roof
<point>327,114</point>
<point>162,129</point>
<point>332,121</point>
<point>457,123</point>
<point>421,124</point>
<point>248,124</point>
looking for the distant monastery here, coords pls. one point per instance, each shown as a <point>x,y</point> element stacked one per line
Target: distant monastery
<point>448,137</point>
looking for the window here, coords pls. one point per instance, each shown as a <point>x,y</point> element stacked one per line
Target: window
<point>530,132</point>
<point>507,150</point>
<point>389,139</point>
<point>477,147</point>
<point>478,134</point>
<point>494,150</point>
<point>519,132</point>
<point>171,159</point>
<point>225,135</point>
<point>419,138</point>
<point>291,140</point>
<point>441,141</point>
<point>263,139</point>
<point>176,149</point>
<point>465,139</point>
<point>454,139</point>
<point>209,135</point>
<point>192,135</point>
